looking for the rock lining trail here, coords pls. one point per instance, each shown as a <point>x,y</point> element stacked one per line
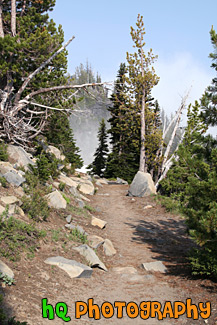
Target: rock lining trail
<point>162,238</point>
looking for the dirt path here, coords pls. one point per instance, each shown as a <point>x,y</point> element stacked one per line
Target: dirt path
<point>165,240</point>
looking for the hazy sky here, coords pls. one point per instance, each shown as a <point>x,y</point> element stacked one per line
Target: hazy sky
<point>176,30</point>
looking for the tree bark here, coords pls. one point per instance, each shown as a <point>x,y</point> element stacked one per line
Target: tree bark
<point>13,17</point>
<point>1,21</point>
<point>142,148</point>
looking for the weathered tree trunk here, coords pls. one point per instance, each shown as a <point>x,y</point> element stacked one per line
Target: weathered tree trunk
<point>13,17</point>
<point>142,162</point>
<point>1,21</point>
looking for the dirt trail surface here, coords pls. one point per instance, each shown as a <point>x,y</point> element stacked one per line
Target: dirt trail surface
<point>164,240</point>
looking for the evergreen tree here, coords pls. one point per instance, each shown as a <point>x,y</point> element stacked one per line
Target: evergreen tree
<point>124,158</point>
<point>27,39</point>
<point>192,182</point>
<point>209,100</point>
<point>140,80</point>
<point>98,165</point>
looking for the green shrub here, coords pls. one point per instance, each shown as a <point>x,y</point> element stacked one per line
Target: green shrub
<point>17,236</point>
<point>36,206</point>
<point>3,181</point>
<point>46,166</point>
<point>3,152</point>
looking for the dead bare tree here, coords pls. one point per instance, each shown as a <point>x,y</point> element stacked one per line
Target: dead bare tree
<point>167,159</point>
<point>21,123</point>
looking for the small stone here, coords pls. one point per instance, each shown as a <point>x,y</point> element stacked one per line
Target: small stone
<point>20,211</point>
<point>98,222</point>
<point>90,256</point>
<point>81,204</point>
<point>95,241</point>
<point>156,266</point>
<point>79,228</point>
<point>69,218</point>
<point>108,248</point>
<point>148,207</point>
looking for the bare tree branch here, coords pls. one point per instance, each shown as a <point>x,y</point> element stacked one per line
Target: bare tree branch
<point>33,74</point>
<point>1,21</point>
<point>13,18</point>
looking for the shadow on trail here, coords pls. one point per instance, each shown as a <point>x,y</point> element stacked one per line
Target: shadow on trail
<point>168,240</point>
<point>4,307</point>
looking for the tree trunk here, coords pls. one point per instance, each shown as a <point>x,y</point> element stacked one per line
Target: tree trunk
<point>1,22</point>
<point>13,17</point>
<point>142,149</point>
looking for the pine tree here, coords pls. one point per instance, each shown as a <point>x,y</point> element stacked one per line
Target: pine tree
<point>209,100</point>
<point>124,158</point>
<point>98,165</point>
<point>27,39</point>
<point>192,182</point>
<point>141,79</point>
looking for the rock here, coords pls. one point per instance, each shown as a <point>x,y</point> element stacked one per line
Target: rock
<point>108,248</point>
<point>12,208</point>
<point>19,156</point>
<point>56,184</point>
<point>95,241</point>
<point>56,152</point>
<point>19,191</point>
<point>121,181</point>
<point>5,270</point>
<point>148,207</point>
<point>102,181</point>
<point>2,209</point>
<point>74,191</point>
<point>98,184</point>
<point>141,228</point>
<point>14,178</point>
<point>87,188</point>
<point>55,200</point>
<point>81,204</point>
<point>71,267</point>
<point>69,218</point>
<point>20,211</point>
<point>10,200</point>
<point>79,228</point>
<point>125,270</point>
<point>98,222</point>
<point>90,256</point>
<point>142,185</point>
<point>156,266</point>
<point>66,180</point>
<point>5,167</point>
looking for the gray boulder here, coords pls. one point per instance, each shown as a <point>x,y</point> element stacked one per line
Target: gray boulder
<point>19,156</point>
<point>14,178</point>
<point>71,267</point>
<point>5,270</point>
<point>90,256</point>
<point>142,185</point>
<point>55,200</point>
